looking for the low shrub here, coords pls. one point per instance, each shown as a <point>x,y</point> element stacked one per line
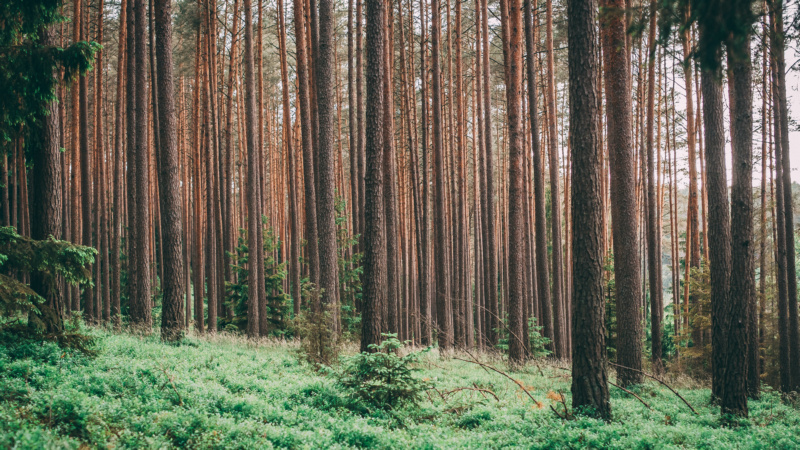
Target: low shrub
<point>382,378</point>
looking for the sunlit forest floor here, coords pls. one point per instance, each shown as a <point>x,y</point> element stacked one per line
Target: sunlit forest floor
<point>224,392</point>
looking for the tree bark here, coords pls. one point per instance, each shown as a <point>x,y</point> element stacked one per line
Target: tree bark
<point>390,189</point>
<point>309,168</point>
<point>559,322</point>
<point>44,144</point>
<point>116,232</point>
<point>444,320</point>
<point>326,153</point>
<point>589,377</point>
<point>516,189</point>
<point>169,181</point>
<point>793,337</point>
<point>653,207</point>
<point>623,194</point>
<point>719,245</point>
<point>85,169</point>
<point>742,279</point>
<point>374,243</point>
<point>140,308</point>
<point>255,278</point>
<point>487,195</point>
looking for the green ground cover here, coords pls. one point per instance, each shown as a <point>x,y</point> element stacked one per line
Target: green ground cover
<point>224,392</point>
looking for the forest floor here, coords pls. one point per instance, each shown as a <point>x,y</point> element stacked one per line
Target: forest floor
<point>223,392</point>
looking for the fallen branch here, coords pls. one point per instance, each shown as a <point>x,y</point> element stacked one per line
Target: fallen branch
<point>172,383</point>
<point>633,394</point>
<point>486,366</point>
<point>660,381</point>
<point>524,345</point>
<point>475,389</point>
<point>440,393</point>
<point>567,414</point>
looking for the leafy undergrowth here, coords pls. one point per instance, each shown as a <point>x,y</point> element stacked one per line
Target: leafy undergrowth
<point>225,393</point>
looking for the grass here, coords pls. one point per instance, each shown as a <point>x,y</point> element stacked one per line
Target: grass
<point>224,392</point>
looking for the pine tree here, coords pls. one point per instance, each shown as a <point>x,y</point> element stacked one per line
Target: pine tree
<point>589,365</point>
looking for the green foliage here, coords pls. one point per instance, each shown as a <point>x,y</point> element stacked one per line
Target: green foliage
<point>696,356</point>
<point>350,270</point>
<point>278,305</point>
<point>382,378</point>
<point>319,344</point>
<point>30,70</point>
<point>537,343</point>
<point>218,392</point>
<point>611,308</point>
<point>22,309</point>
<point>725,23</point>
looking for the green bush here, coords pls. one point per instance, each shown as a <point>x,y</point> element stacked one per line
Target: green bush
<point>219,393</point>
<point>236,293</point>
<point>381,378</point>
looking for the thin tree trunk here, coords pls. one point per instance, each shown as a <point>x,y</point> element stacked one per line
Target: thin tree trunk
<point>389,179</point>
<point>309,166</point>
<point>85,169</point>
<point>559,336</point>
<point>132,86</point>
<point>444,320</point>
<point>255,266</point>
<point>781,105</point>
<point>487,195</point>
<point>140,308</point>
<point>294,240</point>
<point>116,233</point>
<point>325,153</point>
<point>653,209</point>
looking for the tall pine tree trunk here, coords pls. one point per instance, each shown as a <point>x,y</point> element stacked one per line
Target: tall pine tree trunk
<point>623,194</point>
<point>653,207</point>
<point>44,145</point>
<point>374,240</point>
<point>255,278</point>
<point>741,309</point>
<point>325,153</point>
<point>172,287</point>
<point>589,364</point>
